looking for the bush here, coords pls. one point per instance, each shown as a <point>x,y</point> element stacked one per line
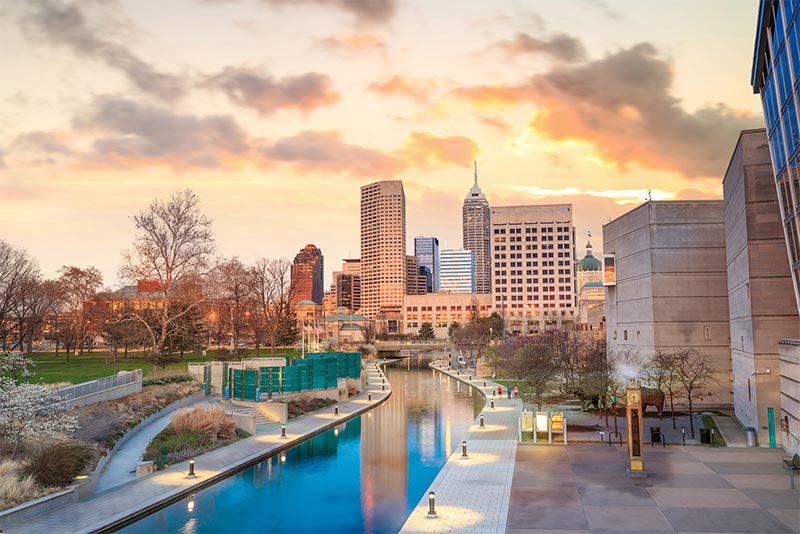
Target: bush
<point>57,464</point>
<point>212,422</point>
<point>15,487</point>
<point>164,380</point>
<point>300,407</point>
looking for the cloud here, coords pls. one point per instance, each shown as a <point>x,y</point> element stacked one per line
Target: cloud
<point>623,106</point>
<point>325,151</point>
<point>423,149</point>
<point>354,42</point>
<point>135,134</point>
<point>417,89</point>
<point>560,46</point>
<point>366,11</point>
<point>620,196</point>
<point>259,91</point>
<point>70,26</point>
<point>41,147</point>
<point>494,122</point>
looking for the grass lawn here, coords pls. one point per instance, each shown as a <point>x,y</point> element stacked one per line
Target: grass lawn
<point>92,365</point>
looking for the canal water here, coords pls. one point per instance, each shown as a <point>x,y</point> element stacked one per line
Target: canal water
<point>364,476</point>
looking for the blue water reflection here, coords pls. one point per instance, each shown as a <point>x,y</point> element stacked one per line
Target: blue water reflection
<point>365,476</point>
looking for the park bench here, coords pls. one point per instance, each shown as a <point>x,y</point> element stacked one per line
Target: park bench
<point>792,464</point>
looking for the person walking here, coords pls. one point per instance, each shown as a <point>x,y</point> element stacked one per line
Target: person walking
<point>516,392</point>
<point>508,390</point>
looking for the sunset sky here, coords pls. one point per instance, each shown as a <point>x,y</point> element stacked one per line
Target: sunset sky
<point>276,112</point>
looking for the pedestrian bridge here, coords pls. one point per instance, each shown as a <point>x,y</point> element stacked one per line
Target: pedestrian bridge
<point>404,349</point>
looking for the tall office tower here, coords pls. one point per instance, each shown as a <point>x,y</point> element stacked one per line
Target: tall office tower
<point>383,248</point>
<point>346,285</point>
<point>426,249</point>
<point>416,281</point>
<point>457,270</point>
<point>776,67</point>
<point>307,275</point>
<point>532,266</point>
<point>476,217</point>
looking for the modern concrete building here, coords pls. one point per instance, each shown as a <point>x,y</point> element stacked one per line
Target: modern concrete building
<point>443,309</point>
<point>426,249</point>
<point>476,222</point>
<point>457,274</point>
<point>346,285</point>
<point>383,248</point>
<point>532,266</point>
<point>760,292</point>
<point>671,287</point>
<point>776,67</point>
<point>307,275</point>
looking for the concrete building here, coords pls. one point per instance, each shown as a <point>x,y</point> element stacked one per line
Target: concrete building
<point>307,275</point>
<point>346,285</point>
<point>383,248</point>
<point>476,223</point>
<point>426,249</point>
<point>457,271</point>
<point>776,65</point>
<point>671,287</point>
<point>532,266</point>
<point>416,280</point>
<point>346,328</point>
<point>443,309</point>
<point>760,292</point>
<point>591,297</point>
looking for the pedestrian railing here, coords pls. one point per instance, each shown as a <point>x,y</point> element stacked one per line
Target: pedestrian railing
<point>101,384</point>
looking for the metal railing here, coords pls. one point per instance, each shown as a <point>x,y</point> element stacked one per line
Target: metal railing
<point>101,384</point>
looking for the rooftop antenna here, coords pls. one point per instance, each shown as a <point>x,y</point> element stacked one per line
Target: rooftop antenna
<point>476,171</point>
<point>649,195</point>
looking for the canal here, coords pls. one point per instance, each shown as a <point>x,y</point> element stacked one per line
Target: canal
<point>364,476</point>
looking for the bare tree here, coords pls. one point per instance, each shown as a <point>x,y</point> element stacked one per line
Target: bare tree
<point>38,299</point>
<point>273,293</point>
<point>78,288</point>
<point>661,372</point>
<point>532,363</point>
<point>173,249</point>
<point>236,284</point>
<point>17,269</point>
<point>694,373</point>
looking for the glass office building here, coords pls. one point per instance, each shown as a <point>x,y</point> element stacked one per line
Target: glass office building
<point>457,271</point>
<point>776,76</point>
<point>426,249</point>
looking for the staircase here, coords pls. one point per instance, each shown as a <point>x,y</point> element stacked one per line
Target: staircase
<point>231,409</point>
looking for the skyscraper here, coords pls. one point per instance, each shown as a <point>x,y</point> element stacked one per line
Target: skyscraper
<point>383,245</point>
<point>426,249</point>
<point>307,275</point>
<point>457,271</point>
<point>533,265</point>
<point>346,286</point>
<point>476,219</point>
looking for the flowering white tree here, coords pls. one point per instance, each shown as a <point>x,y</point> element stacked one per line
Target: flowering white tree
<point>31,411</point>
<point>15,364</point>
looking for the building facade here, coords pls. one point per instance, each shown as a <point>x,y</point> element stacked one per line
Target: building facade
<point>591,296</point>
<point>426,249</point>
<point>416,280</point>
<point>532,266</point>
<point>442,310</point>
<point>476,223</point>
<point>671,289</point>
<point>383,248</point>
<point>307,275</point>
<point>457,271</point>
<point>760,292</point>
<point>346,285</point>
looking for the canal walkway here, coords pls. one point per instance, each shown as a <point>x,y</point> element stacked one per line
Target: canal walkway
<point>107,511</point>
<point>473,493</point>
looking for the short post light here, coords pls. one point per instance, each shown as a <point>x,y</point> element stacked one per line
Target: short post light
<point>492,404</point>
<point>484,383</point>
<point>482,422</point>
<point>283,431</point>
<point>432,505</point>
<point>369,396</point>
<point>464,449</point>
<point>712,438</point>
<point>336,410</point>
<point>683,435</point>
<point>191,469</point>
<point>383,387</point>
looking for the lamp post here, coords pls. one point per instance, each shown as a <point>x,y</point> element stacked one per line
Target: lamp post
<point>432,505</point>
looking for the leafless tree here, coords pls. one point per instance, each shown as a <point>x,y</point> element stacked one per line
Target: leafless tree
<point>78,289</point>
<point>17,269</point>
<point>236,284</point>
<point>368,332</point>
<point>38,299</point>
<point>695,374</point>
<point>661,372</point>
<point>273,294</point>
<point>532,363</point>
<point>173,249</point>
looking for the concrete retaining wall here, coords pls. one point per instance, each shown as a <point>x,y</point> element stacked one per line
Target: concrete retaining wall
<point>245,422</point>
<point>107,394</point>
<point>31,509</point>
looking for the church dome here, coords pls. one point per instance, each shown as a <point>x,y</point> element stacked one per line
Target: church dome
<point>589,262</point>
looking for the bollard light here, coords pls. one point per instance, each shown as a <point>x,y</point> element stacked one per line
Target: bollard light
<point>191,469</point>
<point>336,410</point>
<point>712,438</point>
<point>383,387</point>
<point>470,378</point>
<point>484,383</point>
<point>283,431</point>
<point>492,404</point>
<point>384,381</point>
<point>464,449</point>
<point>494,392</point>
<point>190,504</point>
<point>432,504</point>
<point>482,425</point>
<point>683,435</point>
<point>601,436</point>
<point>369,396</point>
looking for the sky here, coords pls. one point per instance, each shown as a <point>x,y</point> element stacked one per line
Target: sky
<point>276,112</point>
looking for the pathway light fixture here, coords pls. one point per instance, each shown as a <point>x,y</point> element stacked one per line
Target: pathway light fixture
<point>191,469</point>
<point>464,450</point>
<point>283,431</point>
<point>336,410</point>
<point>482,425</point>
<point>432,505</point>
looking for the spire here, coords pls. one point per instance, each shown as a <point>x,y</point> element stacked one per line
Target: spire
<point>476,172</point>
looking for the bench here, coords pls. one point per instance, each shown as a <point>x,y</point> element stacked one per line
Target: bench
<point>792,464</point>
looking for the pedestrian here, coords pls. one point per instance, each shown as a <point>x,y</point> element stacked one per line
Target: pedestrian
<point>516,392</point>
<point>499,390</point>
<point>508,390</point>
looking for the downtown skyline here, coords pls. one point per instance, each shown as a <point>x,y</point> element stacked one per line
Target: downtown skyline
<point>276,115</point>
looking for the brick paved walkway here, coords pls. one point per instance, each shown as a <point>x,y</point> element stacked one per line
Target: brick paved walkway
<point>472,494</point>
<point>109,507</point>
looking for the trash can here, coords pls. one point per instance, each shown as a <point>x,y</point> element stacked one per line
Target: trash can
<point>750,437</point>
<point>655,434</point>
<point>705,436</point>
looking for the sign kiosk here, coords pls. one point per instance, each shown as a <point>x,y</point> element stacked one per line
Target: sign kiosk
<point>549,422</point>
<point>633,408</point>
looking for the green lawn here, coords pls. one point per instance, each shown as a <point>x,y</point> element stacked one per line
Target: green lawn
<point>89,366</point>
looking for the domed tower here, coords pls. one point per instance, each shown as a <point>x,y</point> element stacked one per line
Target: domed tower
<point>590,269</point>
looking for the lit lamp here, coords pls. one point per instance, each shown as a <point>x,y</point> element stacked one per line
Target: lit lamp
<point>191,469</point>
<point>432,505</point>
<point>633,408</point>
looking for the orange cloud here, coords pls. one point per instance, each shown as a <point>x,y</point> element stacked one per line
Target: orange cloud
<point>354,42</point>
<point>494,95</point>
<point>423,149</point>
<point>417,89</point>
<point>497,124</point>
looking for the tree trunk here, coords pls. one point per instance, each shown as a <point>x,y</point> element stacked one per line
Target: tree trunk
<point>672,411</point>
<point>691,414</point>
